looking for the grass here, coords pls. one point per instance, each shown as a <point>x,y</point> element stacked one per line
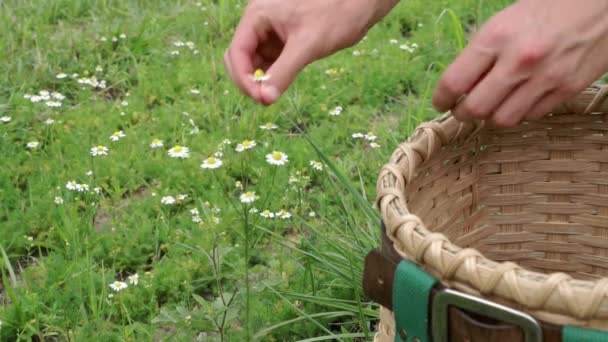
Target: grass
<point>235,275</point>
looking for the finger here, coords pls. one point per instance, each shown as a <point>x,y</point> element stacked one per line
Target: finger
<point>462,75</point>
<point>545,105</point>
<point>486,96</point>
<point>295,56</point>
<point>241,54</point>
<point>518,104</point>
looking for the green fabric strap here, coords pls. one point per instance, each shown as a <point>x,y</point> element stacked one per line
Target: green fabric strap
<point>577,334</point>
<point>411,293</point>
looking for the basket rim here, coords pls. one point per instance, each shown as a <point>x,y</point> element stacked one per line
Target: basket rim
<point>556,297</point>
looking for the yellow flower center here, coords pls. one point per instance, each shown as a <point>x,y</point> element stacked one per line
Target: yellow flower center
<point>277,155</point>
<point>266,212</point>
<point>116,133</point>
<point>155,141</point>
<point>246,143</point>
<point>178,148</point>
<point>210,160</point>
<point>371,134</point>
<point>99,148</point>
<point>249,194</point>
<point>269,124</point>
<point>259,73</point>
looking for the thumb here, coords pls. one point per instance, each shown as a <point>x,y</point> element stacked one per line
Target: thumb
<point>293,58</point>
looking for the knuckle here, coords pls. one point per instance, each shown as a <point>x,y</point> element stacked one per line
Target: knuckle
<point>530,54</point>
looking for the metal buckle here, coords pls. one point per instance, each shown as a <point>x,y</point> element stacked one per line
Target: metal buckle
<point>446,297</point>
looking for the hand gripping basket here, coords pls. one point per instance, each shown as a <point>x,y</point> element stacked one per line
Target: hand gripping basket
<point>496,234</point>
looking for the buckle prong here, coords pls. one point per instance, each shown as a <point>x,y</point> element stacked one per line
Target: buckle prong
<point>448,297</point>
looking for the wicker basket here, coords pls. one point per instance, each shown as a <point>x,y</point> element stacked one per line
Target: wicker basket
<point>518,216</point>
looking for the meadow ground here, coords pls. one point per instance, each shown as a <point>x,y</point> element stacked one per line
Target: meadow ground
<point>141,198</point>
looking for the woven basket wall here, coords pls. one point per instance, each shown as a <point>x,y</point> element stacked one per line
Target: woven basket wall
<point>518,216</point>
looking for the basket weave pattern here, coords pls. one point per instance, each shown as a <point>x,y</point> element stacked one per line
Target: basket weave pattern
<point>518,215</point>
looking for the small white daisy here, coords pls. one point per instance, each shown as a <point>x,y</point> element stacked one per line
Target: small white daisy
<point>99,68</point>
<point>32,144</point>
<point>117,135</point>
<point>82,187</point>
<point>179,152</point>
<point>89,173</point>
<point>196,219</point>
<point>259,76</point>
<point>245,145</point>
<point>53,104</point>
<point>99,151</point>
<point>269,126</point>
<point>194,211</point>
<point>174,53</point>
<point>195,91</point>
<point>373,145</point>
<point>156,143</point>
<point>114,39</point>
<point>124,103</point>
<point>283,214</point>
<point>238,185</point>
<point>211,163</point>
<point>316,165</point>
<point>57,96</point>
<point>215,219</point>
<point>49,122</point>
<point>357,135</point>
<point>118,286</point>
<point>167,200</point>
<point>277,158</point>
<point>370,136</point>
<point>6,119</point>
<point>393,41</point>
<point>248,197</point>
<point>336,111</point>
<point>134,279</point>
<point>97,190</point>
<point>312,214</point>
<point>58,200</point>
<point>253,210</point>
<point>122,36</point>
<point>71,185</point>
<point>267,214</point>
<point>61,75</point>
<point>181,197</point>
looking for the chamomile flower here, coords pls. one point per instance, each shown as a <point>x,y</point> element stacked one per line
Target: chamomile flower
<point>118,286</point>
<point>53,104</point>
<point>124,103</point>
<point>99,151</point>
<point>195,91</point>
<point>71,185</point>
<point>32,144</point>
<point>196,219</point>
<point>97,190</point>
<point>245,145</point>
<point>58,200</point>
<point>370,136</point>
<point>82,187</point>
<point>61,76</point>
<point>49,122</point>
<point>174,53</point>
<point>267,214</point>
<point>259,76</point>
<point>89,173</point>
<point>117,135</point>
<point>194,211</point>
<point>316,165</point>
<point>167,200</point>
<point>5,119</point>
<point>247,197</point>
<point>211,163</point>
<point>336,111</point>
<point>373,145</point>
<point>284,214</point>
<point>312,214</point>
<point>358,135</point>
<point>122,36</point>
<point>238,185</point>
<point>99,68</point>
<point>269,126</point>
<point>393,41</point>
<point>181,197</point>
<point>156,143</point>
<point>277,158</point>
<point>134,279</point>
<point>179,152</point>
<point>215,219</point>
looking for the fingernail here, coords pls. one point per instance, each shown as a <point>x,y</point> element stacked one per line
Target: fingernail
<point>270,93</point>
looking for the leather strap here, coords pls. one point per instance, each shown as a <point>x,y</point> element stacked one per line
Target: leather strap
<point>411,297</point>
